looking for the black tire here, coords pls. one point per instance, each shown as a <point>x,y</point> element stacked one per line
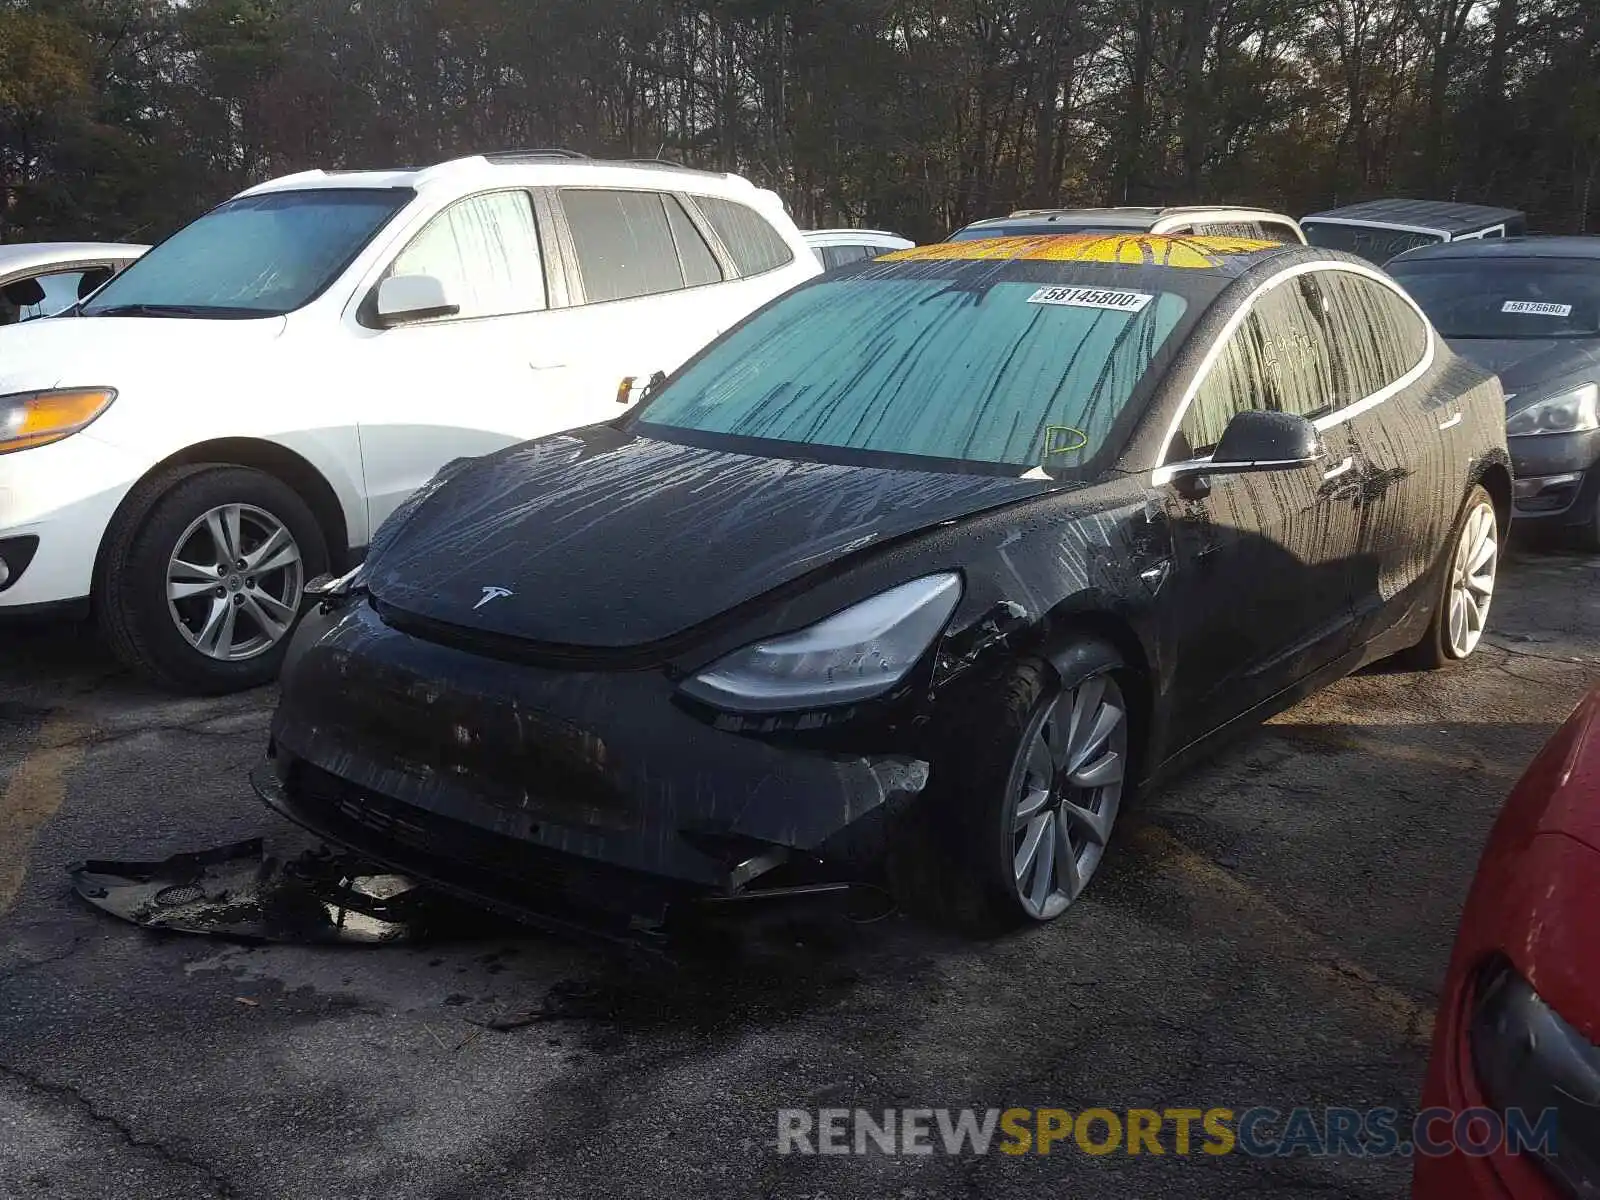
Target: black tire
<point>1433,652</point>
<point>131,590</point>
<point>968,880</point>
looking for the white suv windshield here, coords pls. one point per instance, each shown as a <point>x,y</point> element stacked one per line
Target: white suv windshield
<point>258,256</point>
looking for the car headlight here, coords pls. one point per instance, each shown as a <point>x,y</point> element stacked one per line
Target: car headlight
<point>856,654</point>
<point>29,419</point>
<point>1569,412</point>
<point>1527,1058</point>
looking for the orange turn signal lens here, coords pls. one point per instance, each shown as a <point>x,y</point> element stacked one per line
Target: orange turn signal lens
<point>29,419</point>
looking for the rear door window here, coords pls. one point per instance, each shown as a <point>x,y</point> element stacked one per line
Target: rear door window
<point>485,249</point>
<point>625,243</point>
<point>756,247</point>
<point>1379,336</point>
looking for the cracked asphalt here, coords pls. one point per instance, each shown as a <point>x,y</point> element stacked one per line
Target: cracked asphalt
<point>1271,930</point>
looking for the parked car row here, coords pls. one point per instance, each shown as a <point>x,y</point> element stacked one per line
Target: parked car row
<point>810,540</point>
<point>656,551</point>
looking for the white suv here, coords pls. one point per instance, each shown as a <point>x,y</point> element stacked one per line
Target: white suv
<point>239,410</point>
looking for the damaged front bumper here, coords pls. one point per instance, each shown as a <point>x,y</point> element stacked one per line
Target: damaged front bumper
<point>541,791</point>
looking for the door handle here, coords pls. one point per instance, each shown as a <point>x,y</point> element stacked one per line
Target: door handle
<point>1342,468</point>
<point>546,366</point>
<point>1451,423</point>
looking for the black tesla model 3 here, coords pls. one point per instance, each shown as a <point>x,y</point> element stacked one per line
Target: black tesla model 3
<point>964,542</point>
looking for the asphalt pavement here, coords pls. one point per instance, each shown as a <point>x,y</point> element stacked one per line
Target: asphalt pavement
<point>1270,930</point>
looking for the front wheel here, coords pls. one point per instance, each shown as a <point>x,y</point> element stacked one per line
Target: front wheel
<point>1033,785</point>
<point>1465,586</point>
<point>202,592</point>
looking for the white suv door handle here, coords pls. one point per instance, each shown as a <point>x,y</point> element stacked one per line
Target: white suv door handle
<point>546,366</point>
<point>1335,472</point>
<point>1451,423</point>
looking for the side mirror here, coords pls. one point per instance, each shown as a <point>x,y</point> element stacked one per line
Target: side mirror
<point>404,298</point>
<point>1254,441</point>
<point>1266,441</point>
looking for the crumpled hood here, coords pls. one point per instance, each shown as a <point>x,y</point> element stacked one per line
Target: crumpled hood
<point>1533,367</point>
<point>106,351</point>
<point>604,540</point>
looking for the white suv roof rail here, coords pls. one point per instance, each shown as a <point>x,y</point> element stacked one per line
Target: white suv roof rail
<point>487,162</point>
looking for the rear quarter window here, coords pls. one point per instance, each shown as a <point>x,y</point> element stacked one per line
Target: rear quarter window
<point>1379,336</point>
<point>755,245</point>
<point>1233,229</point>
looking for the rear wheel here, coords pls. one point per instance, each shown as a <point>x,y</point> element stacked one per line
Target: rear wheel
<point>202,592</point>
<point>1032,787</point>
<point>1465,586</point>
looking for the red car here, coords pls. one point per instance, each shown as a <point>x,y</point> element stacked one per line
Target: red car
<point>1518,1032</point>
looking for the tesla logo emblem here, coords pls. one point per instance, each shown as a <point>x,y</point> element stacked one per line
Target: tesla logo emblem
<point>491,593</point>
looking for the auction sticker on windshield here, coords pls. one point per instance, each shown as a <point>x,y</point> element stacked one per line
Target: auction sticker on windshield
<point>1538,308</point>
<point>1091,297</point>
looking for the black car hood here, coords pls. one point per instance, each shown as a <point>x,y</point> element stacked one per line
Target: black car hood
<point>600,539</point>
<point>1530,367</point>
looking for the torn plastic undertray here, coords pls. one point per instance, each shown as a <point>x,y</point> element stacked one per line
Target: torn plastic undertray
<point>328,896</point>
<point>320,897</point>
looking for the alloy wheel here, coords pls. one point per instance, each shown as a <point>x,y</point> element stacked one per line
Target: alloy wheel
<point>1068,785</point>
<point>234,582</point>
<point>1472,580</point>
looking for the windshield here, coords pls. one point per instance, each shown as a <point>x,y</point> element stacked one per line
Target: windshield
<point>1006,375</point>
<point>1506,298</point>
<point>1036,229</point>
<point>1374,243</point>
<point>258,256</point>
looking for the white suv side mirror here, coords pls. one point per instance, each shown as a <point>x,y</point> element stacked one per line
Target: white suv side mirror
<point>403,298</point>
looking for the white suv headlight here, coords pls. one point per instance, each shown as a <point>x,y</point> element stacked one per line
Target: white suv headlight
<point>29,419</point>
<point>1568,412</point>
<point>853,655</point>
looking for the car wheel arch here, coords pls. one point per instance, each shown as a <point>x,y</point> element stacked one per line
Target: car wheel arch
<point>271,458</point>
<point>1061,640</point>
<point>1495,477</point>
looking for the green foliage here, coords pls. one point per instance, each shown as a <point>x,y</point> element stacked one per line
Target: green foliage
<point>126,117</point>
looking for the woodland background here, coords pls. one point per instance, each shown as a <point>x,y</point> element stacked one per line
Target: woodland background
<point>125,118</point>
